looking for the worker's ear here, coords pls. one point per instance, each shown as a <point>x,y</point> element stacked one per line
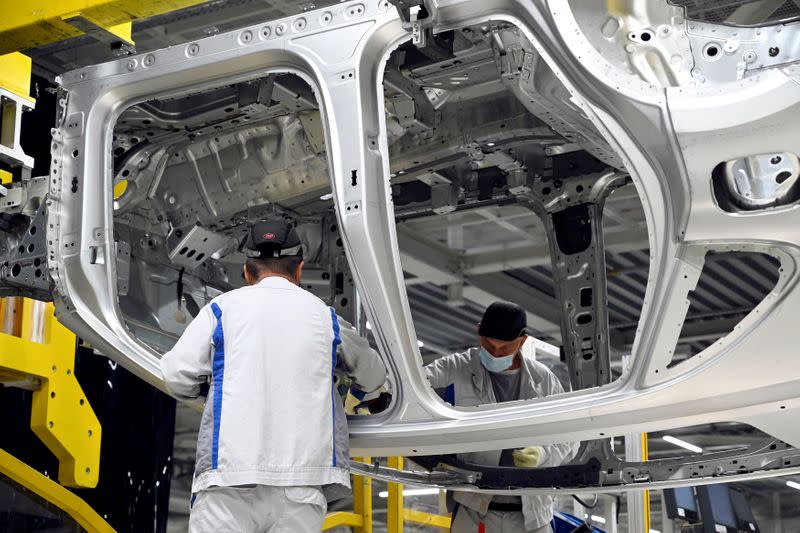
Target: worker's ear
<point>522,342</point>
<point>246,275</point>
<point>298,274</point>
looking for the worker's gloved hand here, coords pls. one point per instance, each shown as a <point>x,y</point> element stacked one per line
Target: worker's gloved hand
<point>351,402</point>
<point>358,402</point>
<point>529,457</point>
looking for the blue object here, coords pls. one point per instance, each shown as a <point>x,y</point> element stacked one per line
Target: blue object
<point>337,340</point>
<point>495,364</point>
<point>357,393</point>
<point>450,394</point>
<point>684,498</point>
<point>722,507</point>
<point>218,371</point>
<point>566,523</point>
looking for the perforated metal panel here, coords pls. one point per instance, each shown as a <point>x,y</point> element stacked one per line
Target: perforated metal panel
<point>740,12</point>
<point>196,246</point>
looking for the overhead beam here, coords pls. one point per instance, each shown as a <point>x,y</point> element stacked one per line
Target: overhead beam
<point>41,22</point>
<point>441,266</point>
<point>542,310</point>
<point>426,260</point>
<point>539,254</point>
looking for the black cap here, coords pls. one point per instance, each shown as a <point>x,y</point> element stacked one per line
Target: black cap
<point>503,321</point>
<point>273,238</point>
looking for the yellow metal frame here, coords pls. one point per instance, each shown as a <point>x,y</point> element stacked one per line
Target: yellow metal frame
<point>15,74</point>
<point>395,517</point>
<point>44,21</point>
<point>646,497</point>
<point>361,517</point>
<point>426,519</point>
<point>54,493</point>
<point>398,515</point>
<point>362,500</point>
<point>60,414</point>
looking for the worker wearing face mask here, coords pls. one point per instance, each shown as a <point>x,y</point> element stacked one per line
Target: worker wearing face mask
<point>273,441</point>
<point>497,371</point>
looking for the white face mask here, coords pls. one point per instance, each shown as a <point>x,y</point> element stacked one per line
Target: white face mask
<point>496,364</point>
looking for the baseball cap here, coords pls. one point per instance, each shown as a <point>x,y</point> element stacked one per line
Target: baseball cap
<point>503,321</point>
<point>273,238</point>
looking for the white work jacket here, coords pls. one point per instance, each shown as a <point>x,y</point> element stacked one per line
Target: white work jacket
<point>272,415</point>
<point>472,386</point>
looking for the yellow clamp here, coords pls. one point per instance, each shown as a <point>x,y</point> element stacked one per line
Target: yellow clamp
<point>60,415</point>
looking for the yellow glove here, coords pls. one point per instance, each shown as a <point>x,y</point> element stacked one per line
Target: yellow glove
<point>350,403</point>
<point>529,457</point>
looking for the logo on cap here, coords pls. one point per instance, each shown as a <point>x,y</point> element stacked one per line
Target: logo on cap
<point>269,236</point>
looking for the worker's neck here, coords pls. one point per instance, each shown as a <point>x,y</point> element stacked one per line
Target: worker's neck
<point>276,275</point>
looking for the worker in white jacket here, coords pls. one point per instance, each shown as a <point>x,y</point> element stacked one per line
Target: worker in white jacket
<point>273,433</point>
<point>497,371</point>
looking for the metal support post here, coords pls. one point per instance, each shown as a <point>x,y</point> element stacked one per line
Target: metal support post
<point>777,525</point>
<point>395,501</point>
<point>638,501</point>
<point>611,514</point>
<point>362,499</point>
<point>361,517</point>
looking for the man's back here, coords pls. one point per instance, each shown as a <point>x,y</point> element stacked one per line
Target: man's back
<point>271,379</point>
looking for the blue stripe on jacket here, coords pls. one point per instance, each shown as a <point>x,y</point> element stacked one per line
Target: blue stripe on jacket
<point>337,340</point>
<point>218,372</point>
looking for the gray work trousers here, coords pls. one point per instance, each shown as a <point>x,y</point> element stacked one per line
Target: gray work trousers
<point>258,509</point>
<point>467,520</point>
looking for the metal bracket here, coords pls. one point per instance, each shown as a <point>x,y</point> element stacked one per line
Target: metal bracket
<point>196,246</point>
<point>418,17</point>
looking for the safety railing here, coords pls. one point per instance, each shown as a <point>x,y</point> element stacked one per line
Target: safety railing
<point>397,515</point>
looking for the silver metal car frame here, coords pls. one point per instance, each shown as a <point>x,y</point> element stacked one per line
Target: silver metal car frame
<point>669,139</point>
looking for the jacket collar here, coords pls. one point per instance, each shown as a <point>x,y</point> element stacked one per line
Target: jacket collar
<point>275,281</point>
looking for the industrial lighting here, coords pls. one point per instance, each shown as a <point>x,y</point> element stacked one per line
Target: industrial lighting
<point>654,531</point>
<point>793,484</point>
<point>369,326</point>
<point>326,197</point>
<point>411,492</point>
<point>682,444</point>
<point>420,344</point>
<point>599,519</point>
